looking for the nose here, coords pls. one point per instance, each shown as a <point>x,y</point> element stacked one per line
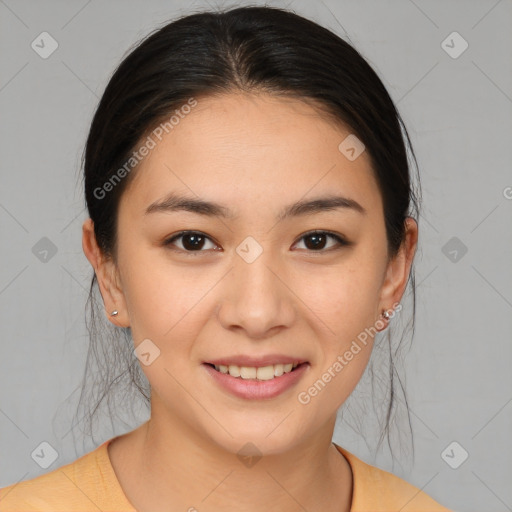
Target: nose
<point>257,298</point>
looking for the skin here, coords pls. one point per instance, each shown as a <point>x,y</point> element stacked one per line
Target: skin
<point>254,154</point>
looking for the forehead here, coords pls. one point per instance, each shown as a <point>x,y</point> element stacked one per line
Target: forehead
<point>255,149</point>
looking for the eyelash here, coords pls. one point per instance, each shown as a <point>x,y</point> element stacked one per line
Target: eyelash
<point>341,241</point>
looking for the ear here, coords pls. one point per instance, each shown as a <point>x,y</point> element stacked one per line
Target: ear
<point>107,276</point>
<point>398,269</point>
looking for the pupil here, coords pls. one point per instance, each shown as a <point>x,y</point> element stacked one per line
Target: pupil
<point>317,241</point>
<point>196,241</point>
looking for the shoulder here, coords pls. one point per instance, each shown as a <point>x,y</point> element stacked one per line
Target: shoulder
<point>380,491</point>
<point>83,485</point>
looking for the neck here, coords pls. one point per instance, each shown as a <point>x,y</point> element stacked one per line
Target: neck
<point>187,472</point>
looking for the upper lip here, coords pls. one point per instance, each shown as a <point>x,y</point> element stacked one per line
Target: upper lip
<point>253,361</point>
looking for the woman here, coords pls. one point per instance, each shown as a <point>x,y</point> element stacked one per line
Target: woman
<point>250,226</point>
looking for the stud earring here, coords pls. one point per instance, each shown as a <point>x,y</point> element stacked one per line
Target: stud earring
<point>114,313</point>
<point>385,314</point>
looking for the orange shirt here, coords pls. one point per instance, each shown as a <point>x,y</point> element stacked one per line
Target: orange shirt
<point>90,484</point>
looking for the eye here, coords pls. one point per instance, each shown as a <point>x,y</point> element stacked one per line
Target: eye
<point>192,241</point>
<point>195,241</point>
<point>317,240</point>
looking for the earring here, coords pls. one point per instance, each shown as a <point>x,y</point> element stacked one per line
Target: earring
<point>385,314</point>
<point>114,313</point>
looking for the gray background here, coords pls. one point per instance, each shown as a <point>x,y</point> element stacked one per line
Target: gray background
<point>458,111</point>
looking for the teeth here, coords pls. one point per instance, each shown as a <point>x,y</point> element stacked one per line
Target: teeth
<point>265,373</point>
<point>260,373</point>
<point>234,371</point>
<point>246,372</point>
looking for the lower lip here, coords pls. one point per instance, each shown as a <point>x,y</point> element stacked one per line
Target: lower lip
<point>257,389</point>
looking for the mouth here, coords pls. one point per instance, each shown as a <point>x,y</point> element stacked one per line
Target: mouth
<point>257,373</point>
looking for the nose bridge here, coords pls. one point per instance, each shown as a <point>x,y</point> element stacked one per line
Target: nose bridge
<point>256,299</point>
<point>255,276</point>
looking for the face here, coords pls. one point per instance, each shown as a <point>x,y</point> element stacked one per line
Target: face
<point>252,283</point>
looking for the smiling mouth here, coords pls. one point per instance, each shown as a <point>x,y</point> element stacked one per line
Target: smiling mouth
<point>257,373</point>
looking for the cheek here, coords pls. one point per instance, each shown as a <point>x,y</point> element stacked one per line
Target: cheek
<point>159,295</point>
<point>165,306</point>
<point>345,300</point>
<point>344,296</point>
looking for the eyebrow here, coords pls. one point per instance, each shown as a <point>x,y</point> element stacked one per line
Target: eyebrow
<point>174,202</point>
